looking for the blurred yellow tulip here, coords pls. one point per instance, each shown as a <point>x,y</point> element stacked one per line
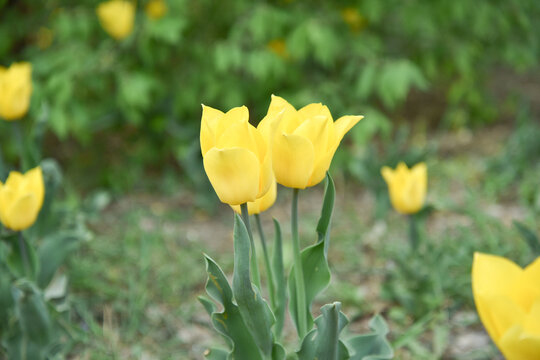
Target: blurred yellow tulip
<point>21,198</point>
<point>15,90</point>
<point>156,9</point>
<point>353,18</point>
<point>507,298</point>
<point>278,47</point>
<point>236,157</point>
<point>261,204</point>
<point>303,142</point>
<point>407,188</point>
<point>117,17</point>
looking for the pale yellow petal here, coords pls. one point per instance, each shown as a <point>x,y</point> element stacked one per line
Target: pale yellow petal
<point>23,213</point>
<point>239,135</point>
<point>311,110</point>
<point>387,174</point>
<point>266,175</point>
<point>117,17</point>
<point>293,160</point>
<point>261,204</point>
<point>209,124</point>
<point>14,180</point>
<point>344,124</point>
<point>532,320</point>
<point>517,345</point>
<point>35,184</point>
<point>234,174</point>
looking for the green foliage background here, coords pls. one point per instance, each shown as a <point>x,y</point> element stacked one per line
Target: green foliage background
<point>141,97</point>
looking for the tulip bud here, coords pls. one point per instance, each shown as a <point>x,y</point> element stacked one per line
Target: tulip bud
<point>117,17</point>
<point>15,90</point>
<point>407,188</point>
<point>236,157</point>
<point>156,9</point>
<point>21,198</point>
<point>303,142</point>
<point>507,298</point>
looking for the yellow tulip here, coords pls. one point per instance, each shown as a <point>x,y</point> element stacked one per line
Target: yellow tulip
<point>407,187</point>
<point>156,9</point>
<point>303,142</point>
<point>353,18</point>
<point>15,90</point>
<point>262,204</point>
<point>236,157</point>
<point>117,17</point>
<point>21,198</point>
<point>507,298</point>
<point>278,47</point>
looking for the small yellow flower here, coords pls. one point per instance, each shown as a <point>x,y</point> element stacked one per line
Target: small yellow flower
<point>44,38</point>
<point>303,142</point>
<point>278,47</point>
<point>21,198</point>
<point>236,157</point>
<point>262,204</point>
<point>117,17</point>
<point>156,9</point>
<point>353,18</point>
<point>407,187</point>
<point>15,90</point>
<point>507,298</point>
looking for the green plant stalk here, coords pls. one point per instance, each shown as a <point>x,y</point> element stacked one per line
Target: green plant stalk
<point>298,269</point>
<point>253,259</point>
<point>414,236</point>
<point>24,254</point>
<point>17,134</point>
<point>269,272</point>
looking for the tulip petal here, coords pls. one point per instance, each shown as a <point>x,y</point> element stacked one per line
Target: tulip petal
<point>23,213</point>
<point>532,321</point>
<point>344,124</point>
<point>234,174</point>
<point>290,120</point>
<point>320,131</point>
<point>261,204</point>
<point>35,184</point>
<point>387,174</point>
<point>209,120</point>
<point>296,159</point>
<point>316,109</point>
<point>14,180</point>
<point>242,135</point>
<point>517,345</point>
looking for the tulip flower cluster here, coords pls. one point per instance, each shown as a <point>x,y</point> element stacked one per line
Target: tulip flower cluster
<point>244,164</point>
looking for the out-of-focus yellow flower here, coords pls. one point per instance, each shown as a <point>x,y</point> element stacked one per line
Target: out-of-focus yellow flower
<point>261,204</point>
<point>155,9</point>
<point>278,47</point>
<point>507,298</point>
<point>21,198</point>
<point>303,142</point>
<point>117,17</point>
<point>15,90</point>
<point>353,18</point>
<point>407,188</point>
<point>236,157</point>
<point>44,38</point>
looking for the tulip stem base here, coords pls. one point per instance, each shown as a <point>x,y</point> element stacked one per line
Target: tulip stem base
<point>269,273</point>
<point>253,258</point>
<point>298,269</point>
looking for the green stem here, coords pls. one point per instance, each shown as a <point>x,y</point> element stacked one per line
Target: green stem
<point>298,269</point>
<point>269,273</point>
<point>24,254</point>
<point>17,134</point>
<point>414,237</point>
<point>253,259</point>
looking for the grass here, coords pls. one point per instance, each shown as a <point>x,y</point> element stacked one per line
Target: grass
<point>135,285</point>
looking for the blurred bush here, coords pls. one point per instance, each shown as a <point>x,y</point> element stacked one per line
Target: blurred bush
<point>358,57</point>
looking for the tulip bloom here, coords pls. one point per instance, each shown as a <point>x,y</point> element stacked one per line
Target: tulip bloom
<point>236,157</point>
<point>262,204</point>
<point>15,90</point>
<point>155,9</point>
<point>303,142</point>
<point>507,298</point>
<point>21,198</point>
<point>117,17</point>
<point>407,187</point>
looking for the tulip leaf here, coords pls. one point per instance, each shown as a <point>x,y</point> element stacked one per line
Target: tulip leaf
<point>22,260</point>
<point>323,226</point>
<point>279,280</point>
<point>229,322</point>
<point>216,354</point>
<point>316,279</point>
<point>53,252</point>
<point>254,310</point>
<point>323,342</point>
<point>372,346</point>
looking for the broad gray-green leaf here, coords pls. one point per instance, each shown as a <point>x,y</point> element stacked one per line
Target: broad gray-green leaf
<point>254,310</point>
<point>229,322</point>
<point>316,279</point>
<point>279,281</point>
<point>323,342</point>
<point>216,354</point>
<point>372,346</point>
<point>53,252</point>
